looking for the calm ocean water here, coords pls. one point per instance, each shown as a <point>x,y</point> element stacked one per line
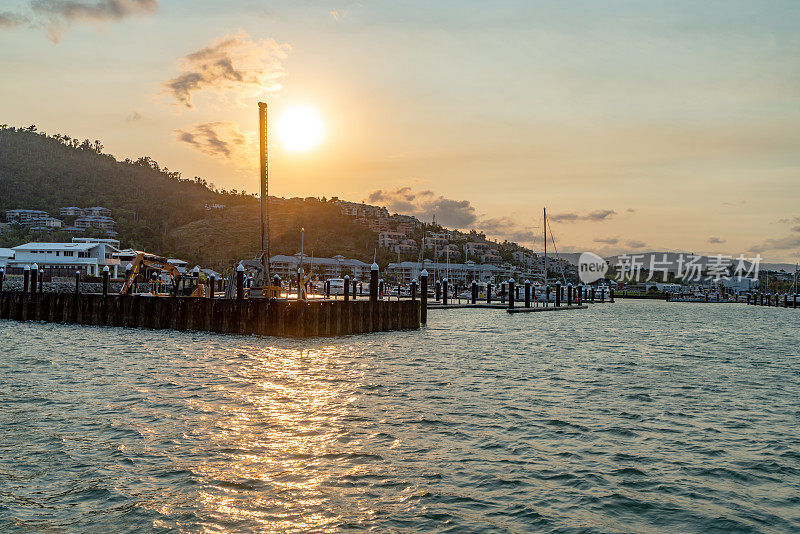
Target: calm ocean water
<point>633,417</point>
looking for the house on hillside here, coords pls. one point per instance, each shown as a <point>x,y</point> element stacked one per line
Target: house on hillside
<point>97,222</point>
<point>71,211</point>
<point>35,219</point>
<point>98,211</point>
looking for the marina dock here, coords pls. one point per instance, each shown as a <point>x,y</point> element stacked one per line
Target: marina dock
<point>235,316</point>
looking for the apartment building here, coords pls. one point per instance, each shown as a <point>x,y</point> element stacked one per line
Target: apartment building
<point>456,273</point>
<point>390,239</point>
<point>336,267</point>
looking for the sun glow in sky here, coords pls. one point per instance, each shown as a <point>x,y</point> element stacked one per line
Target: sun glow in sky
<point>300,128</point>
<point>640,125</point>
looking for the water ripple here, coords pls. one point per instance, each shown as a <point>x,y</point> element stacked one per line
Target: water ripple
<point>641,416</point>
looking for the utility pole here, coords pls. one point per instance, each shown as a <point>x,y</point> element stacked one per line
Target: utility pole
<point>262,123</point>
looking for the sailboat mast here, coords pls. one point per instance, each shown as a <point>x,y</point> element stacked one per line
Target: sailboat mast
<point>544,220</point>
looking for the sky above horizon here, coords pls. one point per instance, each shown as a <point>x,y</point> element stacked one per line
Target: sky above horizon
<point>666,125</point>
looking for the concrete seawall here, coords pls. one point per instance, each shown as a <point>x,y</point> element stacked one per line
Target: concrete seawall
<point>246,316</point>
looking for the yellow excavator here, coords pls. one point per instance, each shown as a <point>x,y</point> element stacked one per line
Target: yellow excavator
<point>183,286</point>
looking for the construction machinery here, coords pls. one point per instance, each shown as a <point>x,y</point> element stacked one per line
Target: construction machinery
<point>180,285</point>
<point>255,273</point>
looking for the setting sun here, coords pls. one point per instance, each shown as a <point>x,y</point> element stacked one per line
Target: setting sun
<point>300,128</point>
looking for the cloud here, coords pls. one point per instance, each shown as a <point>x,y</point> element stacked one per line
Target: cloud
<point>10,20</point>
<point>635,244</point>
<point>508,229</point>
<point>631,210</point>
<point>459,214</point>
<point>222,140</point>
<point>61,13</point>
<point>607,240</point>
<point>450,213</point>
<point>135,116</point>
<point>715,240</point>
<point>597,215</point>
<point>783,243</point>
<point>789,221</point>
<point>236,63</point>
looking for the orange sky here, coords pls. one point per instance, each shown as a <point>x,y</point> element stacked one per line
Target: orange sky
<point>666,126</point>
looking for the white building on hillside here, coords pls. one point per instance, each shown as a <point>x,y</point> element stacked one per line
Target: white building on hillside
<point>98,211</point>
<point>93,221</point>
<point>390,239</point>
<point>336,267</point>
<point>354,209</point>
<point>456,273</point>
<point>37,219</point>
<point>71,211</point>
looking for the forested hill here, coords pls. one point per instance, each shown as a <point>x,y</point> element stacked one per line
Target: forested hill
<point>156,209</point>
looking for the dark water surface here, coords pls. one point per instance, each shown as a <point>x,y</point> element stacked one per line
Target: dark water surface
<point>638,416</point>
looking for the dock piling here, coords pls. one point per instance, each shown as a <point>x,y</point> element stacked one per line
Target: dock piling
<point>26,278</point>
<point>346,288</point>
<point>558,294</point>
<point>373,283</point>
<point>105,281</point>
<point>444,291</point>
<point>240,282</point>
<point>511,293</point>
<point>423,295</point>
<point>527,293</point>
<point>34,273</point>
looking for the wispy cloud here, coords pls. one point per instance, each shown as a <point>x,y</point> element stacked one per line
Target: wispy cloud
<point>783,243</point>
<point>715,240</point>
<point>597,215</point>
<point>135,116</point>
<point>633,243</point>
<point>237,62</point>
<point>60,14</point>
<point>221,140</point>
<point>607,240</point>
<point>11,20</point>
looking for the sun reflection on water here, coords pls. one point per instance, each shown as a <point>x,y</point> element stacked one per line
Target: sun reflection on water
<point>282,442</point>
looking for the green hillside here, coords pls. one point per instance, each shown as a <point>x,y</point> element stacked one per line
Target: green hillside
<point>156,209</point>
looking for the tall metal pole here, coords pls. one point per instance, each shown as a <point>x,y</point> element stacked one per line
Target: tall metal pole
<point>544,222</point>
<point>262,122</point>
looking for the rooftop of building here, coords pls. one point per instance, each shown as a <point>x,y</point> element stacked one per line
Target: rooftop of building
<point>55,246</point>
